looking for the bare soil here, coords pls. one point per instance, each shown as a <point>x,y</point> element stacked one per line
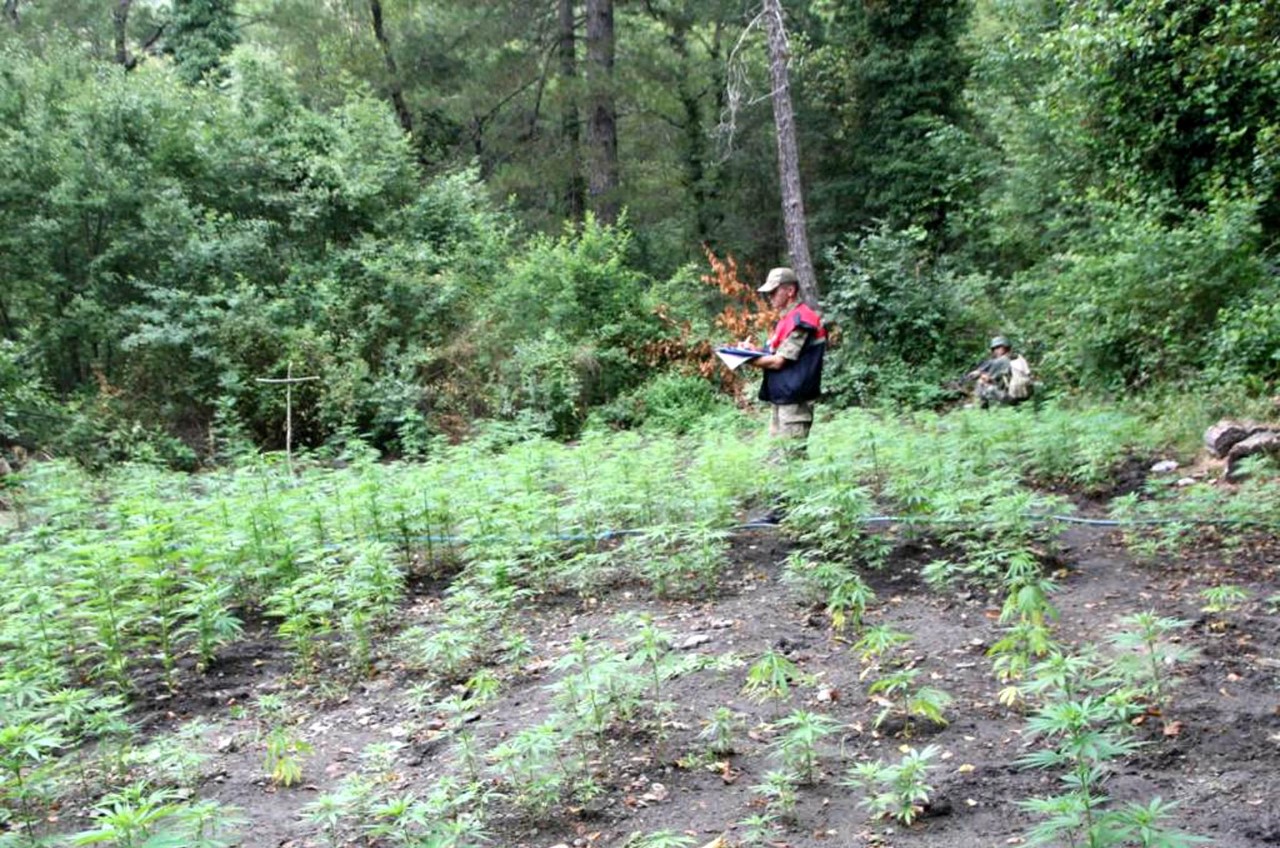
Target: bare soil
<point>1222,767</point>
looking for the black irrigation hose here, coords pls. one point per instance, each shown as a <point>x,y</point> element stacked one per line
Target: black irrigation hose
<point>1073,519</point>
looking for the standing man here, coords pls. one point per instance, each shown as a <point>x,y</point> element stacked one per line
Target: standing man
<point>793,364</point>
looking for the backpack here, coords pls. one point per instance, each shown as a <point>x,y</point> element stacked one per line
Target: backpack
<point>1020,384</point>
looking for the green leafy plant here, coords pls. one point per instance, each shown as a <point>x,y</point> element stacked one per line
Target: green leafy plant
<point>878,641</point>
<point>1088,734</point>
<point>660,839</point>
<point>770,678</point>
<point>537,768</point>
<point>1153,658</point>
<point>797,747</point>
<point>720,730</point>
<point>896,790</point>
<point>24,749</point>
<point>1223,599</point>
<point>141,817</point>
<point>898,695</point>
<point>847,604</point>
<point>284,757</point>
<point>778,790</point>
<point>1014,653</point>
<point>759,828</point>
<point>209,622</point>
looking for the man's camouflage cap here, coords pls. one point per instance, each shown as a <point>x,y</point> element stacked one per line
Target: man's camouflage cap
<point>778,277</point>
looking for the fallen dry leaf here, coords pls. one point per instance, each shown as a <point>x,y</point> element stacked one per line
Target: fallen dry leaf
<point>1173,728</point>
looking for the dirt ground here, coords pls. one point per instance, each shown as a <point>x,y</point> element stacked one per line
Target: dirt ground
<point>1222,768</point>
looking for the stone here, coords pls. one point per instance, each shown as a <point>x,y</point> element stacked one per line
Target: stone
<point>1264,442</point>
<point>1165,466</point>
<point>1221,437</point>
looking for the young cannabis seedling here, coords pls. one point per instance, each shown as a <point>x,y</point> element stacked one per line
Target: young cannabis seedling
<point>779,792</point>
<point>1150,665</point>
<point>1022,644</point>
<point>899,696</point>
<point>140,816</point>
<point>660,839</point>
<point>798,745</point>
<point>1088,734</point>
<point>898,790</point>
<point>285,753</point>
<point>24,749</point>
<point>1220,600</point>
<point>812,576</point>
<point>719,731</point>
<point>770,678</point>
<point>758,829</point>
<point>877,641</point>
<point>848,602</point>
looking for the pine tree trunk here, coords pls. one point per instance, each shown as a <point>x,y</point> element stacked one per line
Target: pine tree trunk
<point>393,72</point>
<point>789,154</point>
<point>120,22</point>
<point>602,127</point>
<point>570,123</point>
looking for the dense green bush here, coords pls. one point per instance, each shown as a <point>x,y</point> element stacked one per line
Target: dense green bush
<point>566,325</point>
<point>193,239</point>
<point>1246,342</point>
<point>26,410</point>
<point>1135,300</point>
<point>669,402</point>
<point>909,323</point>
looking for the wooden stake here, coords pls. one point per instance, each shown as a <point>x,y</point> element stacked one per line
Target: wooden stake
<point>288,382</point>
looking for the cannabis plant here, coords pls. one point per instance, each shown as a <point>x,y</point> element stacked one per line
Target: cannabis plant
<point>284,757</point>
<point>1087,736</point>
<point>720,729</point>
<point>778,789</point>
<point>896,790</point>
<point>770,678</point>
<point>1150,665</point>
<point>797,747</point>
<point>900,696</point>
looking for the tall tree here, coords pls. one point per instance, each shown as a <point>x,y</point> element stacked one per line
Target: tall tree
<point>202,33</point>
<point>394,88</point>
<point>789,153</point>
<point>894,75</point>
<point>602,126</point>
<point>570,122</point>
<point>120,25</point>
<point>679,19</point>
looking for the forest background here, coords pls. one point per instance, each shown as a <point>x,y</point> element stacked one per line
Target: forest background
<point>540,213</point>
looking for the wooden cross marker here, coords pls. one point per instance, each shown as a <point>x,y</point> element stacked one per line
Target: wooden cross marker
<point>288,380</point>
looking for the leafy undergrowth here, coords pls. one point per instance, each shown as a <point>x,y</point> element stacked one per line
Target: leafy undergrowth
<point>584,644</point>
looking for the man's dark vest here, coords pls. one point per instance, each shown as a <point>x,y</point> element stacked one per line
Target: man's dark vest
<point>801,380</point>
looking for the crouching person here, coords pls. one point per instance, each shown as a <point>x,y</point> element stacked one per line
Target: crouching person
<point>1004,379</point>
